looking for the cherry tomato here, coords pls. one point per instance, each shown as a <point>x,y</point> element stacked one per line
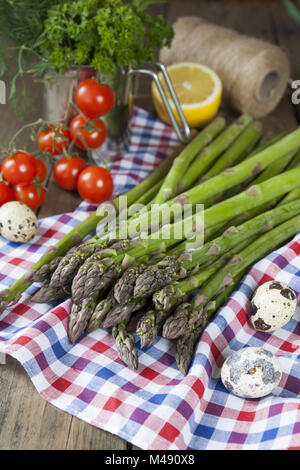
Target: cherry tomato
<point>6,194</point>
<point>54,140</point>
<point>66,172</point>
<point>30,195</point>
<point>41,170</point>
<point>93,99</point>
<point>20,168</point>
<point>95,184</point>
<point>88,137</point>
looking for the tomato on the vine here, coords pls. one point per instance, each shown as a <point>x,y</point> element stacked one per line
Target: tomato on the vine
<point>95,184</point>
<point>66,172</point>
<point>6,194</point>
<point>41,170</point>
<point>87,133</point>
<point>30,195</point>
<point>20,168</point>
<point>93,99</point>
<point>54,140</point>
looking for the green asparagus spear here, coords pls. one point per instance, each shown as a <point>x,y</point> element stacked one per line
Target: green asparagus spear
<point>238,150</point>
<point>148,326</point>
<point>185,348</point>
<point>295,194</point>
<point>79,317</point>
<point>151,322</point>
<point>125,344</point>
<point>120,313</point>
<point>123,289</point>
<point>182,162</point>
<point>70,263</point>
<point>205,159</point>
<point>45,272</point>
<point>47,294</point>
<point>101,310</point>
<point>149,195</point>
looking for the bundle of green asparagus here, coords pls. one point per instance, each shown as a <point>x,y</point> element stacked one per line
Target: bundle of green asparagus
<point>142,283</point>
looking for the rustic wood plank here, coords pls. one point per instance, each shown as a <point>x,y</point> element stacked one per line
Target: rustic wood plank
<point>288,36</point>
<point>58,200</point>
<point>87,437</point>
<point>27,421</point>
<point>11,122</point>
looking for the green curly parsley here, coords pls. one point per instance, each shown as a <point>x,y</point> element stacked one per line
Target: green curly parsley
<point>103,34</point>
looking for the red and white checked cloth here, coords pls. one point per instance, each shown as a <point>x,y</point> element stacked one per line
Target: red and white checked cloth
<point>155,407</point>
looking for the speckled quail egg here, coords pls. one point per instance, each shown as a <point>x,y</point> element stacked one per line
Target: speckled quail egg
<point>18,223</point>
<point>251,372</point>
<point>272,306</point>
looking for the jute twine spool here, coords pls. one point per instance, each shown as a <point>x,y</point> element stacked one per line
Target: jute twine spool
<point>254,73</point>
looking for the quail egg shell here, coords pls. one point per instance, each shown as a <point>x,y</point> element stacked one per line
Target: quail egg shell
<point>251,372</point>
<point>272,306</point>
<point>18,223</point>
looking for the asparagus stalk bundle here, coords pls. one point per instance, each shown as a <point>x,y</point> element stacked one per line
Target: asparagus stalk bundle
<point>151,323</point>
<point>185,345</point>
<point>182,162</point>
<point>169,269</point>
<point>209,155</point>
<point>89,295</point>
<point>240,148</point>
<point>219,184</point>
<point>184,320</point>
<point>137,282</point>
<point>235,151</point>
<point>251,198</point>
<point>287,163</point>
<point>277,150</point>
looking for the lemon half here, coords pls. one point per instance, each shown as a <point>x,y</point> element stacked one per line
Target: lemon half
<point>198,88</point>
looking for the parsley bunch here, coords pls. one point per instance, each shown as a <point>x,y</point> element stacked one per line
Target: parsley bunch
<point>103,34</point>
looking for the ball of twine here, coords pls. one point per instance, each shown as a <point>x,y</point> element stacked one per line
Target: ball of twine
<point>254,73</point>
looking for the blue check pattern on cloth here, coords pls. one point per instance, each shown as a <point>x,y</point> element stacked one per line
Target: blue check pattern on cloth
<point>154,407</point>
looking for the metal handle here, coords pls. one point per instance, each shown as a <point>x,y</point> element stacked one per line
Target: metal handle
<point>184,133</point>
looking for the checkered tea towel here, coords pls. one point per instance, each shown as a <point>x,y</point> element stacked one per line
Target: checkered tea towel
<point>155,407</point>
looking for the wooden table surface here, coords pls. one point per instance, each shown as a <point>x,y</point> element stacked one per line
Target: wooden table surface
<point>26,420</point>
